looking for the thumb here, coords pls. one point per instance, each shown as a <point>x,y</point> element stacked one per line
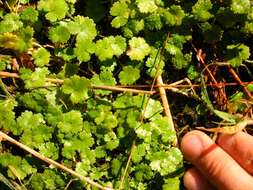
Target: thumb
<point>214,163</point>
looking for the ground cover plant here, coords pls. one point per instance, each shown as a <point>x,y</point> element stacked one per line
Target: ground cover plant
<point>97,94</point>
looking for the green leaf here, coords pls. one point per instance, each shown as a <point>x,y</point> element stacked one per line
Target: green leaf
<point>59,34</point>
<point>84,48</point>
<point>107,47</point>
<point>20,42</point>
<point>111,140</point>
<point>153,22</point>
<point>49,179</point>
<point>33,129</point>
<point>166,162</point>
<point>104,78</point>
<point>139,152</point>
<point>236,54</point>
<point>55,9</point>
<point>201,10</point>
<point>10,23</point>
<point>7,116</point>
<point>121,12</point>
<point>155,63</point>
<point>138,49</point>
<point>17,167</point>
<point>24,41</point>
<point>147,6</point>
<point>172,184</point>
<point>226,116</point>
<point>153,107</point>
<point>29,15</point>
<point>50,150</point>
<point>41,57</point>
<point>240,6</point>
<point>36,78</point>
<point>129,75</point>
<point>84,27</point>
<point>75,145</point>
<point>5,62</point>
<point>143,172</point>
<point>77,87</point>
<point>72,122</point>
<point>83,167</point>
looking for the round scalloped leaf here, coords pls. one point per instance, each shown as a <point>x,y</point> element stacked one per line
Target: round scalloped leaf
<point>129,75</point>
<point>41,57</point>
<point>10,23</point>
<point>122,12</point>
<point>107,47</point>
<point>77,87</point>
<point>201,10</point>
<point>147,6</point>
<point>72,122</point>
<point>240,6</point>
<point>138,49</point>
<point>236,54</point>
<point>104,78</point>
<point>59,34</point>
<point>29,14</point>
<point>84,27</point>
<point>84,47</point>
<point>55,9</point>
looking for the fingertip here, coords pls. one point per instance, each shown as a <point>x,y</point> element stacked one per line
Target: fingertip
<point>194,180</point>
<point>192,145</point>
<point>218,166</point>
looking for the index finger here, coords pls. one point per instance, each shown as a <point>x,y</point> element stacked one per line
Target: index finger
<point>214,163</point>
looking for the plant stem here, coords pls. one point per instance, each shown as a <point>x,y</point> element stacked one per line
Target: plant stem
<point>166,105</point>
<point>52,162</point>
<point>60,81</point>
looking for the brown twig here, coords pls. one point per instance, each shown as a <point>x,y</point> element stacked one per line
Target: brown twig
<point>168,86</point>
<point>127,165</point>
<point>4,74</point>
<point>200,58</point>
<point>237,78</point>
<point>166,105</point>
<point>52,162</point>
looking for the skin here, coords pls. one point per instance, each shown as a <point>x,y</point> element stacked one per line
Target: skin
<point>224,165</point>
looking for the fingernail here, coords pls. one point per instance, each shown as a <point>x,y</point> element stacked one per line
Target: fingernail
<point>191,146</point>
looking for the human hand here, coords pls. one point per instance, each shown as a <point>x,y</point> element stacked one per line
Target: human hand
<point>227,165</point>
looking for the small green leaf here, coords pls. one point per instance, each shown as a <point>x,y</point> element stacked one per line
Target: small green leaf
<point>10,23</point>
<point>59,34</point>
<point>138,49</point>
<point>29,15</point>
<point>84,27</point>
<point>121,11</point>
<point>129,75</point>
<point>36,78</point>
<point>240,6</point>
<point>55,9</point>
<point>104,78</point>
<point>226,116</point>
<point>236,54</point>
<point>77,87</point>
<point>41,57</point>
<point>84,48</point>
<point>107,47</point>
<point>201,10</point>
<point>72,122</point>
<point>147,6</point>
